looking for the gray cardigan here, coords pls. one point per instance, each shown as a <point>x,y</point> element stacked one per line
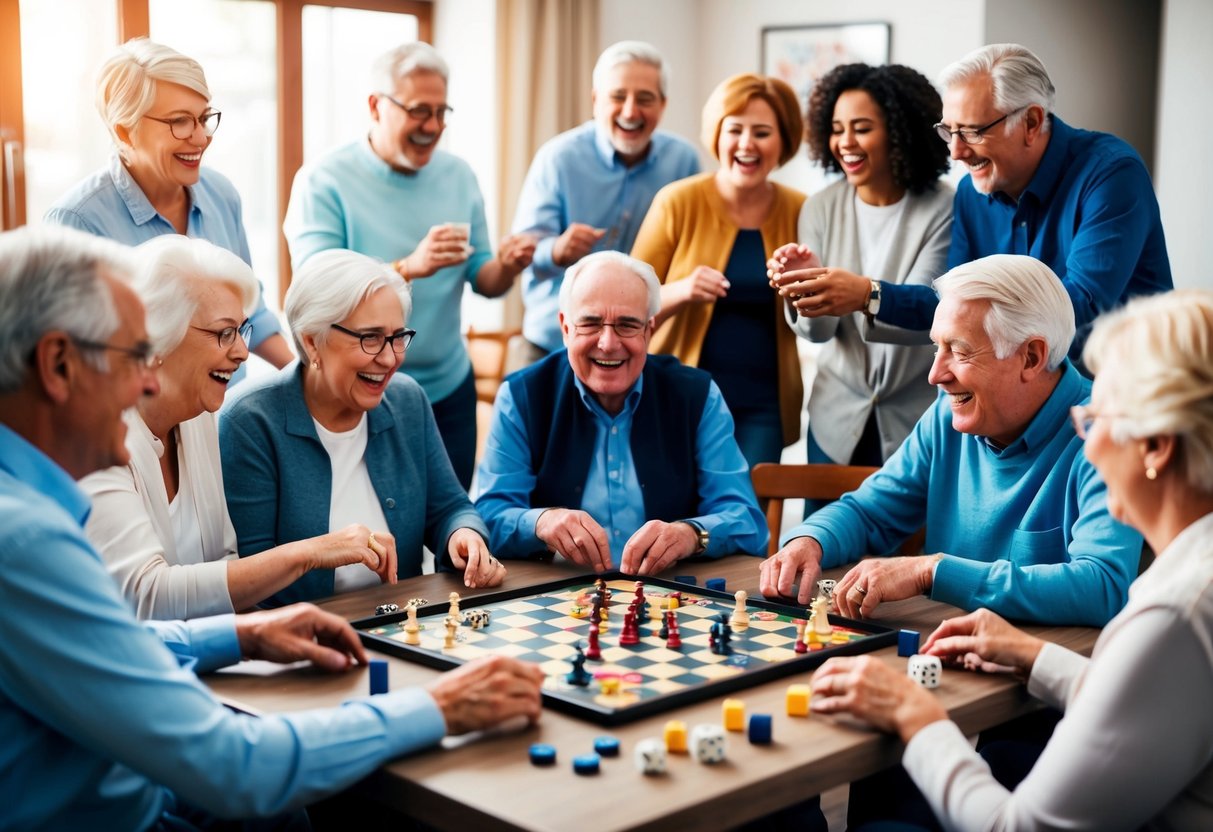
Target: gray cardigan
<point>867,364</point>
<point>278,477</point>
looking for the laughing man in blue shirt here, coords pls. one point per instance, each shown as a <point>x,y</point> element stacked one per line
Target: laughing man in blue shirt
<point>1016,517</point>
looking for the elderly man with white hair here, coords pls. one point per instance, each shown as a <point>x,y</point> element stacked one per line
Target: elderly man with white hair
<point>1016,517</point>
<point>590,187</point>
<point>609,456</point>
<point>396,197</point>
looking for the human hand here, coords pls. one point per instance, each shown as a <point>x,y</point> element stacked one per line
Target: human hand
<point>871,581</point>
<point>576,536</point>
<point>516,251</point>
<point>869,689</point>
<point>656,546</point>
<point>299,632</point>
<point>355,544</point>
<point>814,292</point>
<point>984,641</point>
<point>470,554</point>
<point>443,245</point>
<point>703,285</point>
<point>487,691</point>
<point>576,242</point>
<point>777,575</point>
<point>790,257</point>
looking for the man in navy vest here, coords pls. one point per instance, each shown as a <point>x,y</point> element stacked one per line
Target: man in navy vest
<point>609,456</point>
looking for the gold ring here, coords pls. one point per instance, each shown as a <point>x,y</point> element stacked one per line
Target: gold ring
<point>371,542</point>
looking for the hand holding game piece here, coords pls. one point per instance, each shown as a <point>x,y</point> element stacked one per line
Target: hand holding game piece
<point>870,690</point>
<point>354,544</point>
<point>576,536</point>
<point>470,554</point>
<point>486,692</point>
<point>656,546</point>
<point>875,580</point>
<point>984,641</point>
<point>299,632</point>
<point>778,573</point>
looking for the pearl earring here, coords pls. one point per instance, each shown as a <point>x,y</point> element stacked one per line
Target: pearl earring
<point>1151,473</point>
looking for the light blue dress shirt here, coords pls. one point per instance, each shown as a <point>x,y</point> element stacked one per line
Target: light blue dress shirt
<point>578,177</point>
<point>98,719</point>
<point>1025,530</point>
<point>110,204</point>
<point>612,495</point>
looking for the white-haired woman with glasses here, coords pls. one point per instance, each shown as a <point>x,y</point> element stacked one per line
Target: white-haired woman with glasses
<point>161,522</point>
<point>1135,747</point>
<point>156,105</point>
<point>341,437</point>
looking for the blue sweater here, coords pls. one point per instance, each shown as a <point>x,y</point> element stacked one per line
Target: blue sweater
<point>278,477</point>
<point>1025,530</point>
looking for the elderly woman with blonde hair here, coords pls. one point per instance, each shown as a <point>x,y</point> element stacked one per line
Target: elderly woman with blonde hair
<point>1135,747</point>
<point>161,521</point>
<point>155,102</point>
<point>708,237</point>
<point>342,437</point>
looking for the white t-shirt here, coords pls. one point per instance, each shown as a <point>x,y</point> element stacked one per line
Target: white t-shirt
<point>353,499</point>
<point>876,226</point>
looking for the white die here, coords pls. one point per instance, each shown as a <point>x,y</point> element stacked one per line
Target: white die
<point>708,743</point>
<point>925,670</point>
<point>651,756</point>
<point>477,619</point>
<point>826,587</point>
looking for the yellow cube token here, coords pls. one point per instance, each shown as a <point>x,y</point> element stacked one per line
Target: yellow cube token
<point>675,736</point>
<point>798,700</point>
<point>734,715</point>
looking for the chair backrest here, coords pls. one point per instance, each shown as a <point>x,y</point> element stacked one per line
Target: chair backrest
<point>488,352</point>
<point>775,483</point>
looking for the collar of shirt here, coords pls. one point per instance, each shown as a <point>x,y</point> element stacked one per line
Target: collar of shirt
<point>609,156</point>
<point>136,201</point>
<point>382,170</point>
<point>629,403</point>
<point>1053,416</point>
<point>35,469</point>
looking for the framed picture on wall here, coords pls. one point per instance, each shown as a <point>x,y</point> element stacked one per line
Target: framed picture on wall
<point>800,55</point>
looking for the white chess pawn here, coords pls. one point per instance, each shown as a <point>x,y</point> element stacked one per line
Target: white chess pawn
<point>411,630</point>
<point>741,618</point>
<point>453,612</point>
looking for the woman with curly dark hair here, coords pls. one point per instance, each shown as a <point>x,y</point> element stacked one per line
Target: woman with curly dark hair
<point>888,220</point>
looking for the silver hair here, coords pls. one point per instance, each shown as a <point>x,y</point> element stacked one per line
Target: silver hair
<point>169,266</point>
<point>1027,300</point>
<point>638,267</point>
<point>389,68</point>
<point>330,286</point>
<point>126,84</point>
<point>1158,351</point>
<point>52,280</point>
<point>625,52</point>
<point>1019,78</point>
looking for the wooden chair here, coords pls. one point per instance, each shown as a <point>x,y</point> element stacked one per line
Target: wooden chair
<point>775,483</point>
<point>488,351</point>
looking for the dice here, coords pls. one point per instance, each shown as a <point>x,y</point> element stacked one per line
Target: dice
<point>925,670</point>
<point>477,619</point>
<point>386,609</point>
<point>651,756</point>
<point>826,587</point>
<point>708,743</point>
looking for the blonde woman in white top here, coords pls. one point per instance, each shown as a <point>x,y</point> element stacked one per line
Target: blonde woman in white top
<point>1135,747</point>
<point>161,522</point>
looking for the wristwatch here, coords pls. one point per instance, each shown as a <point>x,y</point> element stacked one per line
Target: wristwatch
<point>703,535</point>
<point>873,304</point>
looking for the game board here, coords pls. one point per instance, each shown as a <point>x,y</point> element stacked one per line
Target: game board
<point>534,623</point>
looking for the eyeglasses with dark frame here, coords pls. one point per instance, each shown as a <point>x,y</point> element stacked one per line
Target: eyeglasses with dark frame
<point>623,329</point>
<point>141,354</point>
<point>1083,416</point>
<point>422,112</point>
<point>971,135</point>
<point>228,334</point>
<point>184,125</point>
<point>373,342</point>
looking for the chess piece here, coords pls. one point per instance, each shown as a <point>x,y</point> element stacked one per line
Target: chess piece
<point>453,613</point>
<point>741,618</point>
<point>578,676</point>
<point>821,617</point>
<point>630,635</point>
<point>674,639</point>
<point>412,632</point>
<point>801,646</point>
<point>720,635</point>
<point>593,651</point>
<point>451,626</point>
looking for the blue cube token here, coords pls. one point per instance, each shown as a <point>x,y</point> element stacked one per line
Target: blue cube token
<point>586,764</point>
<point>686,579</point>
<point>760,729</point>
<point>907,642</point>
<point>606,746</point>
<point>716,583</point>
<point>543,754</point>
<point>378,676</point>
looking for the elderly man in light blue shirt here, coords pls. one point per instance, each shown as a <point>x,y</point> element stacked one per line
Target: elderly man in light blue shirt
<point>1016,517</point>
<point>589,188</point>
<point>105,723</point>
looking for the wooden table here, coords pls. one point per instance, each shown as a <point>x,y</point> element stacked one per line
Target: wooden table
<point>490,784</point>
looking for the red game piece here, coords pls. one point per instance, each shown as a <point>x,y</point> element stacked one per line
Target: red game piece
<point>592,650</point>
<point>630,634</point>
<point>673,638</point>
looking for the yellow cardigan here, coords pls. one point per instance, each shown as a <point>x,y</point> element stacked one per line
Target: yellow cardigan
<point>688,225</point>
